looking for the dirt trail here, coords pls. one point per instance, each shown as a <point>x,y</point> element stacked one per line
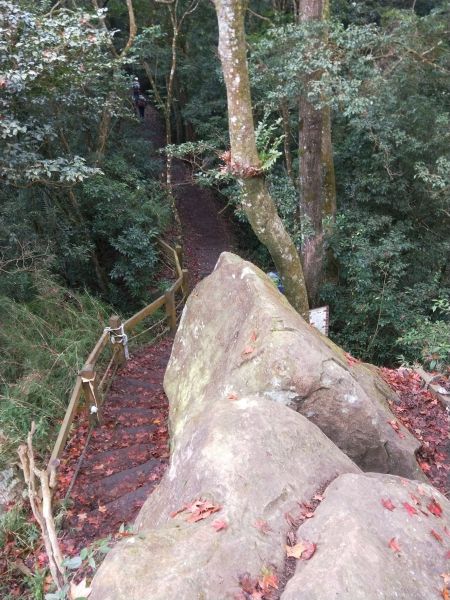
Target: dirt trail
<point>127,456</point>
<point>205,231</point>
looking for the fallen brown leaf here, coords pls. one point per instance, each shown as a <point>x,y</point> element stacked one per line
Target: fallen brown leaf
<point>302,550</point>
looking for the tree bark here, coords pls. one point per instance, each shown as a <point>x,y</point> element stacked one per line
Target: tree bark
<point>316,170</point>
<point>244,163</point>
<point>329,180</point>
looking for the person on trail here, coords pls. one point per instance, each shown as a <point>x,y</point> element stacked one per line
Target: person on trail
<point>141,103</point>
<point>136,87</point>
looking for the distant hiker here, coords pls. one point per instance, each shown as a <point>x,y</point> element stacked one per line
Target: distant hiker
<point>136,87</point>
<point>141,103</point>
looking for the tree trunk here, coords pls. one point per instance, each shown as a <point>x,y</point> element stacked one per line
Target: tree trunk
<point>316,169</point>
<point>257,202</point>
<point>310,182</point>
<point>329,180</point>
<point>169,98</point>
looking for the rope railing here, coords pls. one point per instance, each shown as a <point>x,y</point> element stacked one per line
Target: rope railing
<point>92,383</point>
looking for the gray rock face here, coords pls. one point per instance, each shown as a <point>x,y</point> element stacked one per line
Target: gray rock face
<point>239,335</point>
<point>254,458</point>
<point>368,552</point>
<point>247,382</point>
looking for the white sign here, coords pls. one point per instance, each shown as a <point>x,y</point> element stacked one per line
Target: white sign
<point>319,318</point>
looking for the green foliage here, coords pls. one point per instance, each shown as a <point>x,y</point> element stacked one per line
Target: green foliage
<point>50,67</point>
<point>377,298</point>
<point>268,142</point>
<point>384,71</point>
<point>128,212</point>
<point>15,525</point>
<point>43,344</point>
<point>428,341</point>
<point>90,557</point>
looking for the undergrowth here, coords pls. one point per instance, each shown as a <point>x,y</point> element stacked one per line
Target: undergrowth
<point>43,344</point>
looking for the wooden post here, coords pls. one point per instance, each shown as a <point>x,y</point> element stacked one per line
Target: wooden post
<point>179,251</point>
<point>118,347</point>
<point>185,283</point>
<point>91,394</point>
<point>170,310</point>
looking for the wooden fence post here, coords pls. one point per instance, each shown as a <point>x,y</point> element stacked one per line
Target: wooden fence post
<point>119,346</point>
<point>170,310</point>
<point>179,251</point>
<point>91,394</point>
<point>185,283</point>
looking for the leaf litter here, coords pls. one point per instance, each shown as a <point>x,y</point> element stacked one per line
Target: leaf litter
<point>425,417</point>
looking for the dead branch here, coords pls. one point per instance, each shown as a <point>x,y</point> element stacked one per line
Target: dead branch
<point>41,505</point>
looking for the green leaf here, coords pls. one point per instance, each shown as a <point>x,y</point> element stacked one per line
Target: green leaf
<point>73,563</point>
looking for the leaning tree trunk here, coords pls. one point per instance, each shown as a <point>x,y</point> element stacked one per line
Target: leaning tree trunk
<point>244,161</point>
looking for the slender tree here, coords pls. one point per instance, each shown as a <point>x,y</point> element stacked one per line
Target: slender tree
<point>244,161</point>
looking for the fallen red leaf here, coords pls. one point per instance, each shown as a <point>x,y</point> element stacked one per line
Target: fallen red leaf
<point>437,536</point>
<point>262,525</point>
<point>395,426</point>
<point>393,545</point>
<point>387,503</point>
<point>435,508</point>
<point>247,583</point>
<point>220,525</point>
<point>351,360</point>
<point>177,512</point>
<point>310,550</point>
<point>414,498</point>
<point>232,396</point>
<point>411,510</point>
<point>248,350</point>
<point>200,509</point>
<point>445,594</point>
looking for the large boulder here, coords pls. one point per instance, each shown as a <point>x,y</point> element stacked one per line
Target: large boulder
<point>378,537</point>
<point>253,459</point>
<point>239,335</point>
